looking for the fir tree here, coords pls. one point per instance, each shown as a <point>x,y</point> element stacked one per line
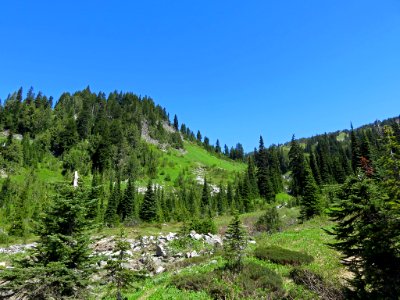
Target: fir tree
<point>367,234</point>
<point>120,278</point>
<point>127,202</point>
<point>205,199</point>
<point>309,203</point>
<point>176,124</point>
<point>235,242</point>
<point>355,150</point>
<point>111,216</point>
<point>60,265</point>
<point>148,210</point>
<point>297,166</point>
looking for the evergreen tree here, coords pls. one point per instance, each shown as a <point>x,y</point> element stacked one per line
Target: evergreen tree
<point>61,264</point>
<point>309,203</point>
<point>265,186</point>
<point>314,168</point>
<point>297,166</point>
<point>355,150</point>
<point>217,147</point>
<point>205,199</point>
<point>120,277</point>
<point>176,124</point>
<point>148,210</point>
<point>252,177</point>
<point>235,242</point>
<point>111,213</point>
<point>127,202</point>
<point>96,196</point>
<point>367,234</point>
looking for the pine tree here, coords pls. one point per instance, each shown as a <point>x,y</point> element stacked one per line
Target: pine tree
<point>265,186</point>
<point>120,278</point>
<point>309,203</point>
<point>176,124</point>
<point>355,150</point>
<point>127,202</point>
<point>235,242</point>
<point>251,174</point>
<point>205,199</point>
<point>367,234</point>
<point>148,210</point>
<point>297,166</point>
<point>61,264</point>
<point>111,215</point>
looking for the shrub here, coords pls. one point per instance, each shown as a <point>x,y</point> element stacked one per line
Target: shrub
<point>315,283</point>
<point>270,221</point>
<point>203,226</point>
<point>282,256</point>
<point>201,282</point>
<point>256,280</point>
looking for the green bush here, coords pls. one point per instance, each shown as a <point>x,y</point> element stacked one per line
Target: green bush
<point>282,256</point>
<point>316,283</point>
<point>201,282</point>
<point>269,222</point>
<point>256,280</point>
<point>201,226</point>
<point>253,282</point>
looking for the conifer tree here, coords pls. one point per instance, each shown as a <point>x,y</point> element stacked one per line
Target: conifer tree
<point>314,168</point>
<point>176,124</point>
<point>111,213</point>
<point>120,278</point>
<point>205,199</point>
<point>297,166</point>
<point>60,265</point>
<point>251,174</point>
<point>367,234</point>
<point>127,201</point>
<point>265,186</point>
<point>148,210</point>
<point>355,150</point>
<point>309,203</point>
<point>95,197</point>
<point>235,242</point>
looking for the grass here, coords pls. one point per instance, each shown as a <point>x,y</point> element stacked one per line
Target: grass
<point>306,238</point>
<point>195,161</point>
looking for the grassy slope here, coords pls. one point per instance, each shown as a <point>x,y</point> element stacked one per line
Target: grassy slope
<point>195,161</point>
<point>308,237</point>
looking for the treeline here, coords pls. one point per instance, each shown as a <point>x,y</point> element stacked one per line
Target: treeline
<point>100,137</point>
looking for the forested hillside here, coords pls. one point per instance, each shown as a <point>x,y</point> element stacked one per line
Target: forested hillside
<point>141,172</point>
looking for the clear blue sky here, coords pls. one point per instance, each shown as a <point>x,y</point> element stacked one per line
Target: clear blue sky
<point>233,69</point>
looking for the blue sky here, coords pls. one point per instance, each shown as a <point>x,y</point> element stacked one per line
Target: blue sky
<point>233,69</point>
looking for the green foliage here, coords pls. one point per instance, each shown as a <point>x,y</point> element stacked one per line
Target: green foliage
<point>148,210</point>
<point>310,200</point>
<point>367,234</point>
<point>316,283</point>
<point>235,242</point>
<point>120,278</point>
<point>282,256</point>
<point>256,281</point>
<point>202,226</point>
<point>61,263</point>
<point>297,166</point>
<point>253,282</point>
<point>270,221</point>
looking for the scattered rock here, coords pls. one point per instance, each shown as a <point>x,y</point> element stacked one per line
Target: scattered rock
<point>192,254</point>
<point>161,251</point>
